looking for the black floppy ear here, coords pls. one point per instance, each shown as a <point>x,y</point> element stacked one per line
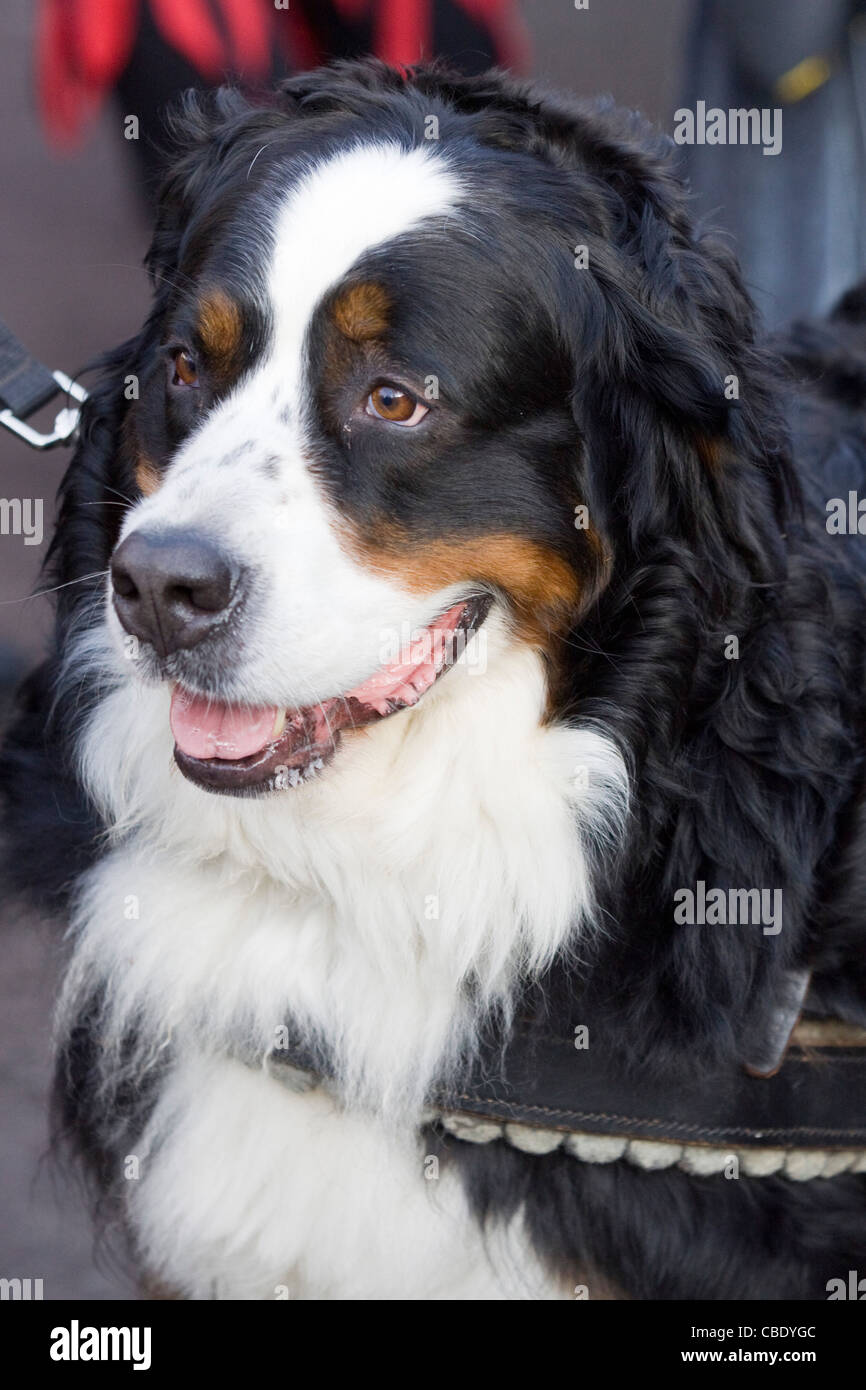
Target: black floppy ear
<point>95,488</point>
<point>678,404</point>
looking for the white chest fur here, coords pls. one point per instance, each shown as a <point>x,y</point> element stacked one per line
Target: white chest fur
<point>258,1193</point>
<point>382,908</point>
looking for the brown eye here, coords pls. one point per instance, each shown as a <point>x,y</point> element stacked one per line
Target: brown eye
<point>185,370</point>
<point>390,402</point>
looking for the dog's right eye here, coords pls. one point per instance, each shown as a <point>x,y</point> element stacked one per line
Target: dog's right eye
<point>185,369</point>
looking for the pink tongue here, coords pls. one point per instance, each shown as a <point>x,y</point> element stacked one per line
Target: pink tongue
<point>205,729</point>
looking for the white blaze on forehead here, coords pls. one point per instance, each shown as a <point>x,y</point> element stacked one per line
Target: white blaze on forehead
<point>321,617</point>
<point>344,207</point>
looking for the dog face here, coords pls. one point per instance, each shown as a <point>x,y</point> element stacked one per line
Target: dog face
<point>393,384</point>
<point>353,437</point>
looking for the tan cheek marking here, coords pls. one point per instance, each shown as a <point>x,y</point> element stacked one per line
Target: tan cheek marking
<point>220,326</point>
<point>361,312</point>
<point>145,471</point>
<point>543,588</point>
<point>547,597</point>
<point>146,476</point>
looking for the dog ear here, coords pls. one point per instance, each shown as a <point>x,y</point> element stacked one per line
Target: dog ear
<point>679,411</point>
<point>94,490</point>
<point>678,404</point>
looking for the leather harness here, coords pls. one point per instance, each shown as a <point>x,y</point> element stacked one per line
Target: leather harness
<point>541,1092</point>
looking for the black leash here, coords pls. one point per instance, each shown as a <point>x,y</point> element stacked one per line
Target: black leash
<point>25,386</point>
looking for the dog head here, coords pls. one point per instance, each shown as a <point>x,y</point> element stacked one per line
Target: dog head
<point>424,350</point>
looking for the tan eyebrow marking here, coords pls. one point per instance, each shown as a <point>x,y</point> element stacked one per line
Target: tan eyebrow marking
<point>361,312</point>
<point>220,325</point>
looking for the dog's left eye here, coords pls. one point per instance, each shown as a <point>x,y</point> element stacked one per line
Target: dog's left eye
<point>185,369</point>
<point>392,403</point>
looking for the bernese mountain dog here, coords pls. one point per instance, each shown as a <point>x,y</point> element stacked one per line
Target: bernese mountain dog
<point>446,590</point>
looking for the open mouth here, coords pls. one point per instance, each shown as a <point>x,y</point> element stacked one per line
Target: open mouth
<point>244,750</point>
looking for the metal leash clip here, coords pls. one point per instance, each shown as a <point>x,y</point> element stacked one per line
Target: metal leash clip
<point>65,421</point>
<point>25,386</point>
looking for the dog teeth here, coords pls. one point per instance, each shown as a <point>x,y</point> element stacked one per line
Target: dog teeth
<point>279,724</point>
<point>294,777</point>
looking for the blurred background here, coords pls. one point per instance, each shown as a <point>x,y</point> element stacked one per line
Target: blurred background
<point>77,197</point>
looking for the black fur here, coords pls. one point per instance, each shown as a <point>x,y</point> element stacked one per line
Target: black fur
<point>746,772</point>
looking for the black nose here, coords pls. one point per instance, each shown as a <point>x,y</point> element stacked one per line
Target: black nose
<point>171,588</point>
